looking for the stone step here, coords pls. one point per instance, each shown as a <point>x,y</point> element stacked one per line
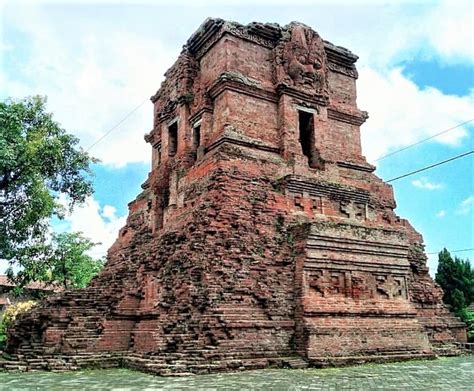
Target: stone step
<point>15,367</point>
<point>295,362</point>
<point>357,360</point>
<point>448,350</point>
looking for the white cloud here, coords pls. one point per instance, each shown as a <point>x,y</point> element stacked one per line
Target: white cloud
<point>424,183</point>
<point>432,264</point>
<point>108,211</point>
<point>97,223</point>
<point>401,113</point>
<point>93,78</point>
<point>441,214</point>
<point>466,206</point>
<point>100,224</point>
<point>387,33</point>
<point>442,30</point>
<point>449,29</point>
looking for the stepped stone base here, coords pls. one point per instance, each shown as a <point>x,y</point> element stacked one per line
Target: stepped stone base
<point>180,366</point>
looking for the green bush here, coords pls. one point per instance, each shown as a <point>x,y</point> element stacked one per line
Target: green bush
<point>468,318</point>
<point>3,337</point>
<point>9,316</point>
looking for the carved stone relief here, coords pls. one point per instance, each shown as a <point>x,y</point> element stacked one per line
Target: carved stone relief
<point>390,287</point>
<point>360,211</point>
<point>327,283</point>
<point>317,204</point>
<point>345,209</point>
<point>354,210</point>
<point>363,286</point>
<point>357,285</point>
<point>299,202</point>
<point>300,60</point>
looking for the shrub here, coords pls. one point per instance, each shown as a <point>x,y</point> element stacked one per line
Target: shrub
<point>468,318</point>
<point>10,315</point>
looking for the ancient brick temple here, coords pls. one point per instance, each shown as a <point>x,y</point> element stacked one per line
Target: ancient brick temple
<point>261,237</point>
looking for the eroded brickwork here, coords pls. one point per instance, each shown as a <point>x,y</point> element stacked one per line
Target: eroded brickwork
<point>261,237</point>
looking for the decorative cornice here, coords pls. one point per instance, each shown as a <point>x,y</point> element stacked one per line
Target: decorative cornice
<point>212,30</point>
<point>321,100</point>
<point>244,33</point>
<point>348,71</point>
<point>146,185</point>
<point>153,138</point>
<point>242,143</point>
<point>148,137</point>
<point>205,34</point>
<point>223,84</point>
<point>357,166</point>
<point>340,54</point>
<point>268,35</point>
<point>195,117</point>
<point>349,118</point>
<point>356,231</point>
<point>343,246</point>
<point>333,191</point>
<point>167,112</point>
<point>341,60</point>
<point>208,44</point>
<point>360,313</point>
<point>315,261</point>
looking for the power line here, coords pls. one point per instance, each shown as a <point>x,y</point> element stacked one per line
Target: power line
<point>422,141</point>
<point>115,126</point>
<point>380,158</point>
<point>431,166</point>
<point>455,251</point>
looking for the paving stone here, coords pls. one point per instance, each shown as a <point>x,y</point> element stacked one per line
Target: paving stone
<point>442,374</point>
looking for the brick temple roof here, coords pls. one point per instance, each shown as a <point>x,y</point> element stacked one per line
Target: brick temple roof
<point>4,301</point>
<point>35,285</point>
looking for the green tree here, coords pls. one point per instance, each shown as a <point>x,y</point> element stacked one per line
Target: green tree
<point>39,162</point>
<point>63,261</point>
<point>458,300</point>
<point>70,264</point>
<point>456,277</point>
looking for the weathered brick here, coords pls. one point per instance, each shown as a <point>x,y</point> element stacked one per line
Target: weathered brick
<point>267,237</point>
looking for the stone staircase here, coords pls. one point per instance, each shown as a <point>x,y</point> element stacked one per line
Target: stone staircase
<point>172,364</point>
<point>84,330</point>
<point>450,349</point>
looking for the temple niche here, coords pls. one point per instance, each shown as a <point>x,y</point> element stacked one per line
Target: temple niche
<point>262,236</point>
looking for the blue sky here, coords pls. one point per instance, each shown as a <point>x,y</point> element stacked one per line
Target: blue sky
<point>97,61</point>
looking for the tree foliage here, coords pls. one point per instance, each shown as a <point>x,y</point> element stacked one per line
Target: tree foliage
<point>63,260</point>
<point>468,318</point>
<point>456,277</point>
<point>39,162</point>
<point>70,264</point>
